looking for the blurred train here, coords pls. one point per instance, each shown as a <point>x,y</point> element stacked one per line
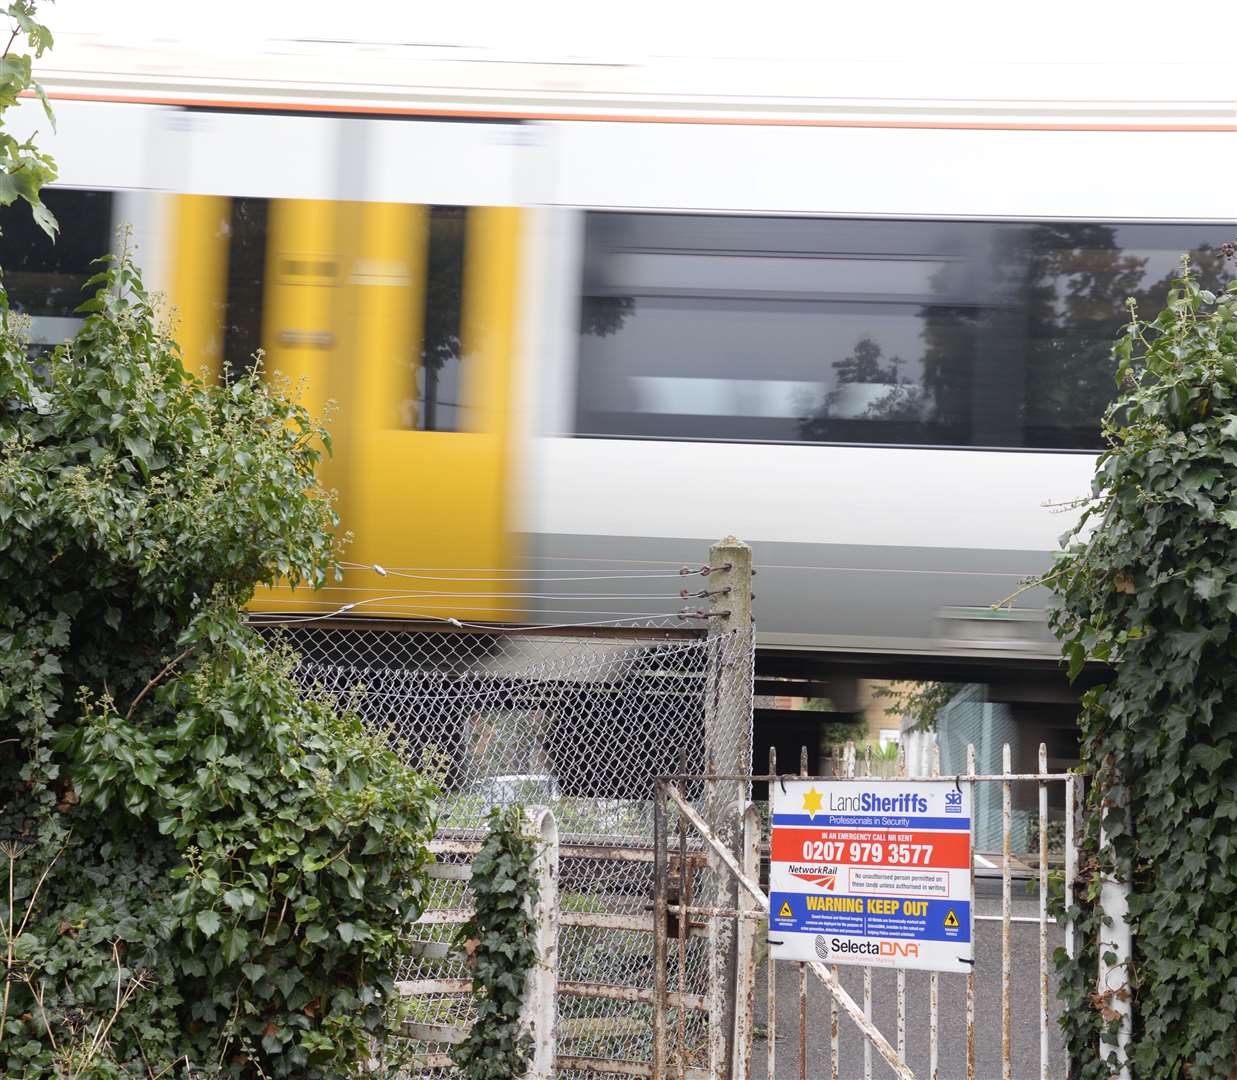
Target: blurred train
<point>576,335</point>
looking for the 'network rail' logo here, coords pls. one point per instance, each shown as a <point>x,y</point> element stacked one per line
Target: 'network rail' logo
<point>825,877</point>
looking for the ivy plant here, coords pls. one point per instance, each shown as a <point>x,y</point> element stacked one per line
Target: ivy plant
<point>1148,582</point>
<point>211,874</point>
<point>24,168</point>
<point>500,941</point>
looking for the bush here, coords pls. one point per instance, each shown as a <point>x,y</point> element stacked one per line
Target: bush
<point>211,874</point>
<point>500,942</point>
<point>1149,582</point>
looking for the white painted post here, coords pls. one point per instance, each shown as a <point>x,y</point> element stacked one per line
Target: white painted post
<point>745,990</point>
<point>1115,939</point>
<point>1073,801</point>
<point>538,1013</point>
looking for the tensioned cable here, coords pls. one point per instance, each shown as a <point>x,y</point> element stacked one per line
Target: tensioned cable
<point>902,570</point>
<point>497,628</point>
<point>274,618</point>
<point>664,568</point>
<point>511,578</point>
<point>635,574</point>
<point>479,593</point>
<point>341,609</point>
<point>476,607</point>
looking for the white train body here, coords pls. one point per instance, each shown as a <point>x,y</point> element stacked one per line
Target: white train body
<point>893,548</point>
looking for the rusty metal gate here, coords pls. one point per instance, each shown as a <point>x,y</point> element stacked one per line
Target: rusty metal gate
<point>702,838</point>
<point>580,722</point>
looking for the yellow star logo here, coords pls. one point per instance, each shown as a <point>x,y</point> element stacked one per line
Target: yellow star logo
<point>812,801</point>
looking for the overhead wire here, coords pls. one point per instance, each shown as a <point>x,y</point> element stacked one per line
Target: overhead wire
<point>334,606</point>
<point>662,568</point>
<point>277,619</point>
<point>353,605</point>
<point>685,572</point>
<point>426,594</point>
<point>508,577</point>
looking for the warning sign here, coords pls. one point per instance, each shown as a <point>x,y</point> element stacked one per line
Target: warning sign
<point>872,872</point>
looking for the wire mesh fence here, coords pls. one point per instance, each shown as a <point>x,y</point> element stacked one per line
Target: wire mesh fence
<point>582,723</point>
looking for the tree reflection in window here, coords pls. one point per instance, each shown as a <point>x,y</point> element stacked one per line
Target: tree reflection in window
<point>244,301</point>
<point>867,387</point>
<point>914,333</point>
<point>439,404</point>
<point>1029,366</point>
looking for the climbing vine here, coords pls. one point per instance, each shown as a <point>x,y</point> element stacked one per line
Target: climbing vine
<point>1148,582</point>
<point>205,872</point>
<point>500,941</point>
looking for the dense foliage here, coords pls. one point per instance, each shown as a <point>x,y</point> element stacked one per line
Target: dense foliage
<point>499,939</point>
<point>24,168</point>
<point>209,873</point>
<point>1149,582</point>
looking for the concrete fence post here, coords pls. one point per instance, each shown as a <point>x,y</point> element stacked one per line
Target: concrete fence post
<point>538,1013</point>
<point>728,746</point>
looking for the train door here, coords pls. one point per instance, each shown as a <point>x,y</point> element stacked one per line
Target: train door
<point>425,415</point>
<point>398,321</point>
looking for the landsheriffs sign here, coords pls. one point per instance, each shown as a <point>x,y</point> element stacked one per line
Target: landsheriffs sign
<point>872,873</point>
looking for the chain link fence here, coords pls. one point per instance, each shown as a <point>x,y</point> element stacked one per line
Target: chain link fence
<point>582,723</point>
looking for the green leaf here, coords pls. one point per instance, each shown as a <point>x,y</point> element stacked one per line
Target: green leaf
<point>137,446</point>
<point>47,105</point>
<point>208,922</point>
<point>1207,586</point>
<point>235,941</point>
<point>1077,660</point>
<point>45,219</point>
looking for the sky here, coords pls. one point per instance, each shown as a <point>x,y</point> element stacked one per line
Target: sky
<point>1061,31</point>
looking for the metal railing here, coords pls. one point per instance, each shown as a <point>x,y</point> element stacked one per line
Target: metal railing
<point>676,815</point>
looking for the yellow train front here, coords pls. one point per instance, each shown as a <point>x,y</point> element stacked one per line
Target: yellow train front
<point>395,319</point>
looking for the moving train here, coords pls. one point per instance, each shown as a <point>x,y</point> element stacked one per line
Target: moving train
<point>574,335</point>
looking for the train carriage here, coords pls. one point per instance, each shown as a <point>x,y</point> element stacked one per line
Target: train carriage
<point>872,343</point>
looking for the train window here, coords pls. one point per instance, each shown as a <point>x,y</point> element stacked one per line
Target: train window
<point>242,317</point>
<point>45,279</point>
<point>846,331</point>
<point>439,404</point>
